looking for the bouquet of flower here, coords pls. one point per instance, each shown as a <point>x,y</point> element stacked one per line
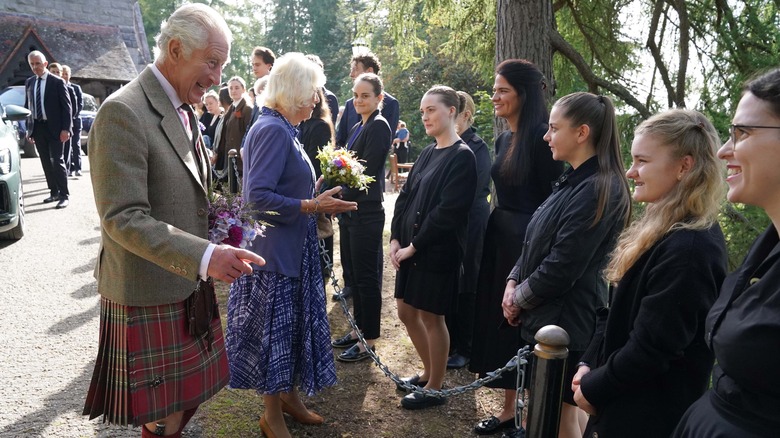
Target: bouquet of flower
<point>231,221</point>
<point>341,167</point>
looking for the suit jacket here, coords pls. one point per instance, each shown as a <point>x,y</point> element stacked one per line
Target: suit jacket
<point>389,111</point>
<point>151,194</point>
<point>77,103</point>
<point>56,103</point>
<point>236,124</point>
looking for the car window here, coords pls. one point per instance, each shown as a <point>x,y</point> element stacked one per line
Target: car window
<point>12,96</point>
<point>89,103</point>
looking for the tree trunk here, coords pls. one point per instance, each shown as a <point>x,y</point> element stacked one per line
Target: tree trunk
<point>522,31</point>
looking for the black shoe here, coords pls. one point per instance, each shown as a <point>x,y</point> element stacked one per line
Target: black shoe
<point>414,380</point>
<point>63,203</point>
<point>345,293</point>
<point>353,354</point>
<point>514,433</point>
<point>457,361</point>
<point>419,401</point>
<point>78,173</point>
<point>344,341</point>
<point>51,199</point>
<point>492,425</point>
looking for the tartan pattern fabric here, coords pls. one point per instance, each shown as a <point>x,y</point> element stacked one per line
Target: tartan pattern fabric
<point>149,366</point>
<point>278,335</point>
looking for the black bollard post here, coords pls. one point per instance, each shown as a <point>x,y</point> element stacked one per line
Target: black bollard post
<point>549,367</point>
<point>232,172</point>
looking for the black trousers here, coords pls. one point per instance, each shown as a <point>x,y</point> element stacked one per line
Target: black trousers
<point>75,150</point>
<point>361,258</point>
<point>51,151</point>
<point>460,323</point>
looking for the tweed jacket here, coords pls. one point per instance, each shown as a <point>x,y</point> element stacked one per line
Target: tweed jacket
<point>151,194</point>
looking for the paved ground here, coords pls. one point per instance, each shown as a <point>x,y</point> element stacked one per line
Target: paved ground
<point>49,315</point>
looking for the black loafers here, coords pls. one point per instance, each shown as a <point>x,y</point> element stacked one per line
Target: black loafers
<point>457,361</point>
<point>514,433</point>
<point>51,199</point>
<point>492,425</point>
<point>345,293</point>
<point>353,354</point>
<point>344,341</point>
<point>414,380</point>
<point>415,401</point>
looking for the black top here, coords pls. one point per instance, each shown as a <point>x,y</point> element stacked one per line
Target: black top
<point>431,209</point>
<point>372,144</point>
<point>482,155</point>
<point>564,254</point>
<point>650,354</point>
<point>743,330</point>
<point>527,197</point>
<point>314,134</point>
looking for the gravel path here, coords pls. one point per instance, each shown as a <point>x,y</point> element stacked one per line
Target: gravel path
<point>49,324</point>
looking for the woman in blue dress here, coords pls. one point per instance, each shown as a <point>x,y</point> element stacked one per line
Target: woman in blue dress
<point>278,338</point>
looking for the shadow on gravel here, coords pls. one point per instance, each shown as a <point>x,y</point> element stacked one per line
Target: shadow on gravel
<point>87,267</point>
<point>75,321</point>
<point>71,398</point>
<point>90,241</point>
<point>87,291</point>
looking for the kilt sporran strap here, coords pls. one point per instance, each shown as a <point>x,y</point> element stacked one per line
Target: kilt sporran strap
<point>201,306</point>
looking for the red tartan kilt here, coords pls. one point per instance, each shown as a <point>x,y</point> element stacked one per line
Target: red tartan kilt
<point>149,366</point>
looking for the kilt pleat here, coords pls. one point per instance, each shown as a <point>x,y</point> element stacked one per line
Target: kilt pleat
<point>278,336</point>
<point>149,366</point>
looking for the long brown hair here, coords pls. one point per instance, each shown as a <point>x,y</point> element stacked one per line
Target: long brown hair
<point>599,114</point>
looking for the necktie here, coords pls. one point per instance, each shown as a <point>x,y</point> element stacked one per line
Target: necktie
<point>39,100</point>
<point>190,125</point>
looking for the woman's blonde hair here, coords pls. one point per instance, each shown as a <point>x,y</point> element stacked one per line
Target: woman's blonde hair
<point>293,82</point>
<point>692,204</point>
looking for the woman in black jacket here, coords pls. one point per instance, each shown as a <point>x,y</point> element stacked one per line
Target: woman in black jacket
<point>315,133</point>
<point>743,326</point>
<point>428,239</point>
<point>361,230</point>
<point>558,278</point>
<point>460,321</point>
<point>649,355</point>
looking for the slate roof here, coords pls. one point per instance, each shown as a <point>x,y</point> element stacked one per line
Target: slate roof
<point>92,51</point>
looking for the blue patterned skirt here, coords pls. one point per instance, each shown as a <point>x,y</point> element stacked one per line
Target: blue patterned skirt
<point>278,335</point>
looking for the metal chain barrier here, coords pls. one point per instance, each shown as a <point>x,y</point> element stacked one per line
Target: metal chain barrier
<point>519,361</point>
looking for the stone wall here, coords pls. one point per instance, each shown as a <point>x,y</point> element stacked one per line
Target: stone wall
<point>124,14</point>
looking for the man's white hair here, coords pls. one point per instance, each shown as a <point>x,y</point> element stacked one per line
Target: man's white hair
<point>192,24</point>
<point>37,53</point>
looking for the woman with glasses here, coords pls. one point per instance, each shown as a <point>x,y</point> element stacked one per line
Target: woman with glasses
<point>743,326</point>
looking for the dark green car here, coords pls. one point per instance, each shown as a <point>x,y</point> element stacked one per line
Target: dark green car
<point>11,194</point>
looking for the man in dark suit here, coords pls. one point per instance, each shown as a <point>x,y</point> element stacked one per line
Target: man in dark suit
<point>365,63</point>
<point>49,103</point>
<point>151,178</point>
<point>77,101</point>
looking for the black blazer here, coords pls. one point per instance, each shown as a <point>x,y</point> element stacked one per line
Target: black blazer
<point>56,103</point>
<point>77,104</point>
<point>651,356</point>
<point>372,145</point>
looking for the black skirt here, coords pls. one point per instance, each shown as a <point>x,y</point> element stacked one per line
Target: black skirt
<point>494,340</point>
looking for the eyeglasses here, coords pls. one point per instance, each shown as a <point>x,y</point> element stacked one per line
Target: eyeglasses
<point>734,128</point>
